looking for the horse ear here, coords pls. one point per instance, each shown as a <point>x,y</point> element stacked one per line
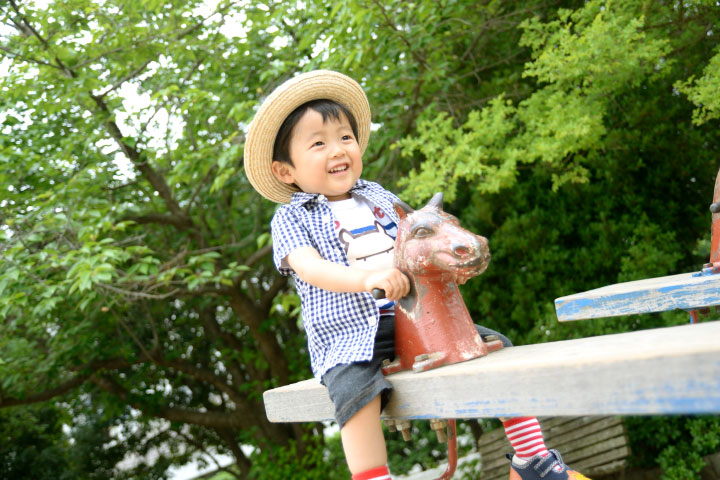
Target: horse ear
<point>436,201</point>
<point>403,209</point>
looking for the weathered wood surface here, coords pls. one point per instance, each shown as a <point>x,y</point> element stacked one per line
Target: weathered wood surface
<point>592,445</point>
<point>674,292</point>
<point>670,370</point>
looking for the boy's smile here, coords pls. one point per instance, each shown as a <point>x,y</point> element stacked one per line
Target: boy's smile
<point>326,157</point>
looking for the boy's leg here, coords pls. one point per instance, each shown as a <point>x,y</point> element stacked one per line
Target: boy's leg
<point>525,436</point>
<point>532,460</point>
<point>359,391</point>
<point>363,440</point>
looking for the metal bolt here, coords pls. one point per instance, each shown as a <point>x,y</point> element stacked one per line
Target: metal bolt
<point>390,424</point>
<point>404,427</point>
<point>439,426</point>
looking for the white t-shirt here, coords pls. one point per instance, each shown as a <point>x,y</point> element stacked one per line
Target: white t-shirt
<point>367,235</point>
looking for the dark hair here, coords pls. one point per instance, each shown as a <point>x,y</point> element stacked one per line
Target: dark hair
<point>326,108</point>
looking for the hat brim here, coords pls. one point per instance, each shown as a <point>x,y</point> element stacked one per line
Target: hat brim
<point>315,85</point>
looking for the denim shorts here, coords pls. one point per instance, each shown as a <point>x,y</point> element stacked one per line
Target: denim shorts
<point>353,386</point>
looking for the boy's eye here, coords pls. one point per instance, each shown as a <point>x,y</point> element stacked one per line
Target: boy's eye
<point>318,144</point>
<point>347,137</point>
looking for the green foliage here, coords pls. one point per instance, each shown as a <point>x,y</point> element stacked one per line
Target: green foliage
<point>318,463</point>
<point>44,442</point>
<point>32,444</point>
<point>128,234</point>
<point>650,252</point>
<point>575,62</point>
<point>703,92</point>
<point>135,278</point>
<point>677,444</point>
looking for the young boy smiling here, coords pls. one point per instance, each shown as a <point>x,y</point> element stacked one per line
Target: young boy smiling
<point>334,234</point>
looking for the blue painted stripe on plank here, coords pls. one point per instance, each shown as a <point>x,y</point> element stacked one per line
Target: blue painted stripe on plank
<point>672,297</point>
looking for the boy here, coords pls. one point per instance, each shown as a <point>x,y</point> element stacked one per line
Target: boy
<point>334,236</point>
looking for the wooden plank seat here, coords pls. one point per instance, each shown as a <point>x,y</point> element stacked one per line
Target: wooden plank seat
<point>673,370</point>
<point>686,291</point>
<point>591,444</point>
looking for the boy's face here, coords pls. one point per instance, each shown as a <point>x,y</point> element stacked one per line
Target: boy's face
<point>326,157</point>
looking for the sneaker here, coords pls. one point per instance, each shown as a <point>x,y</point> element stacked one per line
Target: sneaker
<point>549,467</point>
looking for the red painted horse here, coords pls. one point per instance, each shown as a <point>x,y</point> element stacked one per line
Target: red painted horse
<point>432,324</point>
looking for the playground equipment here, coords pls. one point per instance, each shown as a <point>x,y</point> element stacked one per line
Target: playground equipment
<point>432,324</point>
<point>674,370</point>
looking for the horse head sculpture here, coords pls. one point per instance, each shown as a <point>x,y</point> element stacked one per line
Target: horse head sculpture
<point>432,323</point>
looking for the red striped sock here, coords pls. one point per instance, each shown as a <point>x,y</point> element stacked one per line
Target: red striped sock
<point>379,473</point>
<point>525,435</point>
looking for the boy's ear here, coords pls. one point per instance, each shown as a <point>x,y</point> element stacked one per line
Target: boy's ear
<point>282,172</point>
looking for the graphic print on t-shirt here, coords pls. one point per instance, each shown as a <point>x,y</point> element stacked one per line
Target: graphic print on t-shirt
<point>368,247</point>
<point>366,234</point>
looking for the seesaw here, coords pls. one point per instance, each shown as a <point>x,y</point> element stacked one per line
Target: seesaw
<point>674,370</point>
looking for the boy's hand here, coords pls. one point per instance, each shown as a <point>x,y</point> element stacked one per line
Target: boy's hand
<point>395,283</point>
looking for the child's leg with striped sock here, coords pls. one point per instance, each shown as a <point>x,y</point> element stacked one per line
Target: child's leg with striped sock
<point>525,436</point>
<point>532,460</point>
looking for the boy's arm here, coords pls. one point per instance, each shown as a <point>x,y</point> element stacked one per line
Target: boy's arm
<point>315,270</point>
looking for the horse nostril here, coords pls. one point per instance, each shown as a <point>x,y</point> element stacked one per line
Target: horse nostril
<point>460,250</point>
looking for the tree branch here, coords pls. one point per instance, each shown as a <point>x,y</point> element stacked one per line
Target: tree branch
<point>87,370</point>
<point>173,414</point>
<point>46,395</point>
<point>126,78</point>
<point>26,25</point>
<point>15,55</point>
<point>200,447</point>
<point>252,316</point>
<point>155,179</point>
<point>210,378</point>
<point>130,293</point>
<point>68,72</point>
<point>159,218</point>
<point>241,460</point>
<point>388,22</point>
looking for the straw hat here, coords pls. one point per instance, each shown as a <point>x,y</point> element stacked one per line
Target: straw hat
<point>315,85</point>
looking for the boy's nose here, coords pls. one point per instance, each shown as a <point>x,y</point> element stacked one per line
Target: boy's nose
<point>337,150</point>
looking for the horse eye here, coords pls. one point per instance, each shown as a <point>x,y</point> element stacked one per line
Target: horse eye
<point>422,232</point>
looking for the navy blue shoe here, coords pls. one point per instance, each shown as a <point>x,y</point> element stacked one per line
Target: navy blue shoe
<point>549,467</point>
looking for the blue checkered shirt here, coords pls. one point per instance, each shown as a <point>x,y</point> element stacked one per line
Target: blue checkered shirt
<point>340,327</point>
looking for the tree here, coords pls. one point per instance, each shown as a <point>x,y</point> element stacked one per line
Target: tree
<point>134,287</point>
<point>564,176</point>
<point>136,276</point>
<point>32,444</point>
